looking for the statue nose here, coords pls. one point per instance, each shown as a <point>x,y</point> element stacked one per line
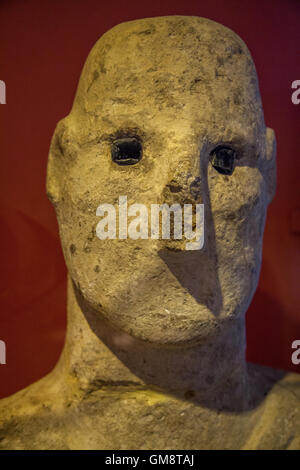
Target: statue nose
<point>187,178</point>
<point>186,187</point>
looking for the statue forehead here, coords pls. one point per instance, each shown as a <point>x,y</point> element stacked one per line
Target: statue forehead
<point>155,67</point>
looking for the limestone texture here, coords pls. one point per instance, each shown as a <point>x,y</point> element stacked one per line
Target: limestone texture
<point>154,356</point>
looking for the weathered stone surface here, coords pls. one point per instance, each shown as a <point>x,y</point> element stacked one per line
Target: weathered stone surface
<point>155,349</point>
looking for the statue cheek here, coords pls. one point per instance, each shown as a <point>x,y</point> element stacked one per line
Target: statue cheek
<point>237,194</point>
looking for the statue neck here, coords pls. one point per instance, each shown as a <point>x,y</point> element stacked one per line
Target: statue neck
<point>99,356</point>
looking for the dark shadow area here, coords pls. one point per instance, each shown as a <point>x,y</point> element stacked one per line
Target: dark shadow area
<point>197,273</point>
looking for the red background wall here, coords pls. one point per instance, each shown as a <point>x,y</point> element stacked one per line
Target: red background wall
<point>43,47</point>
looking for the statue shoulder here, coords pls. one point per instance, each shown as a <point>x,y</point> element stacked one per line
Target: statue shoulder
<point>287,403</point>
<point>28,417</point>
<point>279,424</point>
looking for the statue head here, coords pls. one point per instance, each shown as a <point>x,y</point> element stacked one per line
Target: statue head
<point>167,111</point>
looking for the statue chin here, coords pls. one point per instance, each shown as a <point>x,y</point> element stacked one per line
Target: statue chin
<point>165,328</point>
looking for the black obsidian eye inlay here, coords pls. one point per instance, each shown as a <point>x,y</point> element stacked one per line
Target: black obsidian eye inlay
<point>222,159</point>
<point>126,151</point>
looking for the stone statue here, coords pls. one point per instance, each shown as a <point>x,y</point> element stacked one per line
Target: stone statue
<point>167,111</point>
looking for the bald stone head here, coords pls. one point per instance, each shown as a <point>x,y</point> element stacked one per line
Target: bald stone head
<point>182,93</point>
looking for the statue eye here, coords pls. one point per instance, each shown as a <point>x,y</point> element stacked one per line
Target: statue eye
<point>222,159</point>
<point>126,151</point>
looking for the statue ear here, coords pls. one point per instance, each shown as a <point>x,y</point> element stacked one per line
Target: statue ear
<point>62,151</point>
<point>53,168</point>
<point>270,163</point>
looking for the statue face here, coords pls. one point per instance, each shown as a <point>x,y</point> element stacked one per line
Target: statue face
<point>180,95</point>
